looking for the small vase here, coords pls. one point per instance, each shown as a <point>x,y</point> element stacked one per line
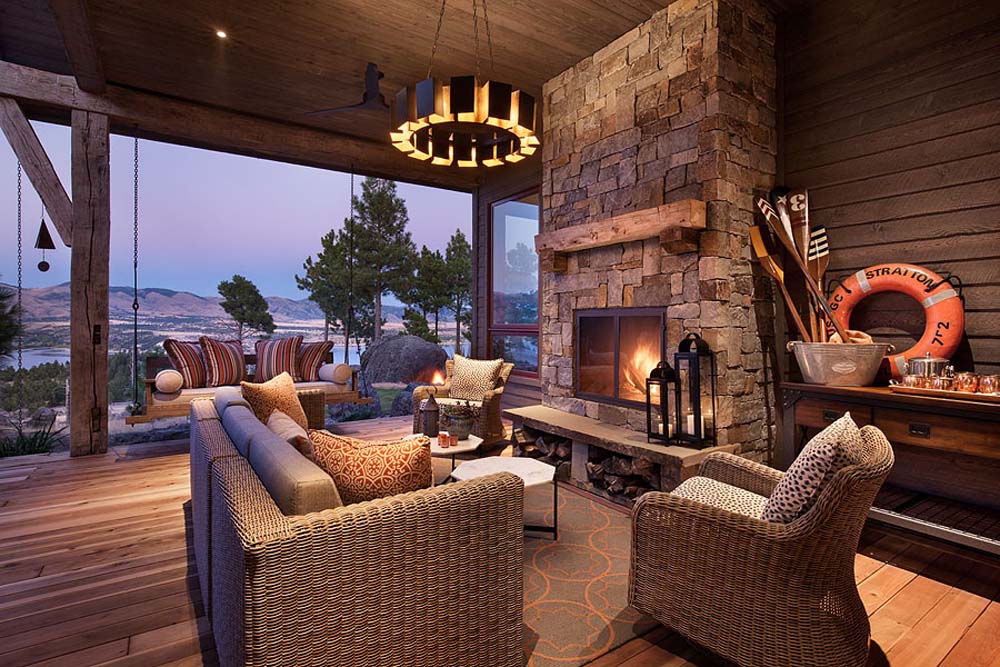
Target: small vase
<point>460,426</point>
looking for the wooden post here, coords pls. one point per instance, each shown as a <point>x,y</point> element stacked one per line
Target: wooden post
<point>89,269</point>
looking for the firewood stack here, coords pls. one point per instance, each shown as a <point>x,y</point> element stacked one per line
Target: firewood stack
<point>622,475</point>
<point>546,448</point>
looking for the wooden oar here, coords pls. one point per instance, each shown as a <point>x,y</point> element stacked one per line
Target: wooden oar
<point>817,261</point>
<point>774,222</point>
<point>774,269</point>
<point>796,202</point>
<point>779,200</point>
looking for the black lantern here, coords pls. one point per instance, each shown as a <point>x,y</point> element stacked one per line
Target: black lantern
<point>694,393</point>
<point>659,415</point>
<point>429,413</point>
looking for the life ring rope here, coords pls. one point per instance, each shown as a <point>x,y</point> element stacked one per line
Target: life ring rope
<point>939,297</point>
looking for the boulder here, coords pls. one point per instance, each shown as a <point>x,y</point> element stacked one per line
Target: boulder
<point>405,359</point>
<point>403,403</point>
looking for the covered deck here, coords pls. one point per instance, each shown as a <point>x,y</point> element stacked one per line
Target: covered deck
<point>98,569</point>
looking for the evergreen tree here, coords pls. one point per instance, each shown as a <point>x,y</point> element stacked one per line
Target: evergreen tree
<point>458,261</point>
<point>328,281</point>
<point>9,328</point>
<point>243,302</point>
<point>416,325</point>
<point>426,294</point>
<point>383,248</point>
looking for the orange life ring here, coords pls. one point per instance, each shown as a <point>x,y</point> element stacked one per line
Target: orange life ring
<point>943,309</point>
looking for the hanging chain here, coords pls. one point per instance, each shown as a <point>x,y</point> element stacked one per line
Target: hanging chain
<point>135,271</point>
<point>489,39</point>
<point>437,35</point>
<point>19,378</point>
<point>475,32</point>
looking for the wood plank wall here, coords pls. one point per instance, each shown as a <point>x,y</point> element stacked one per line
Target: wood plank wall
<point>892,121</point>
<point>501,184</point>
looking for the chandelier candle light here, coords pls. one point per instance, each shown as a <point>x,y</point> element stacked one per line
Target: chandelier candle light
<point>464,120</point>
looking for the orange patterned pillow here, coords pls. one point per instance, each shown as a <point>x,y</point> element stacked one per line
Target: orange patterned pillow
<point>365,470</point>
<point>278,393</point>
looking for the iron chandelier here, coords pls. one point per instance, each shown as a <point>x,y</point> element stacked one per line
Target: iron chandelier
<point>463,120</point>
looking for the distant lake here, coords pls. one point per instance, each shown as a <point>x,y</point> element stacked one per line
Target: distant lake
<point>43,355</point>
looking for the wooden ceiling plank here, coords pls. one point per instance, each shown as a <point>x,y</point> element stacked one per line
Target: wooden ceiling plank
<point>192,124</point>
<point>37,166</point>
<point>80,42</point>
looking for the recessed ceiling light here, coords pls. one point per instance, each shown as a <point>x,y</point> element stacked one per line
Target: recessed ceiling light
<point>221,34</point>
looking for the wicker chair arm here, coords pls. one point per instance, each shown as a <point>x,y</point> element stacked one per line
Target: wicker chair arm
<point>314,405</point>
<point>740,472</point>
<point>437,390</point>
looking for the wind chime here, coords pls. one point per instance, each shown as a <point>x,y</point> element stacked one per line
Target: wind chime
<point>44,242</point>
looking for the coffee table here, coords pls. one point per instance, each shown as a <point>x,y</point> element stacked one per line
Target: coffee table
<point>470,444</point>
<point>531,471</point>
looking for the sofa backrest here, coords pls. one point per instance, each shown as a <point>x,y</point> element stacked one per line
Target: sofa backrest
<point>297,485</point>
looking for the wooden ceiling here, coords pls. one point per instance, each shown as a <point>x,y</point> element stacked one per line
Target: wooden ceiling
<point>284,58</point>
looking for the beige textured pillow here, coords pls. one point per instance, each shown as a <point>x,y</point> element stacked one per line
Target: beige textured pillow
<point>339,373</point>
<point>169,381</point>
<point>472,378</point>
<point>285,428</point>
<point>278,393</point>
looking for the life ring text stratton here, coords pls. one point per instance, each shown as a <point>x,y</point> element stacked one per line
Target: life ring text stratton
<point>945,316</point>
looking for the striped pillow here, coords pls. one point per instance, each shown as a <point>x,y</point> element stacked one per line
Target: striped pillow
<point>187,359</point>
<point>311,357</point>
<point>277,356</point>
<point>224,362</point>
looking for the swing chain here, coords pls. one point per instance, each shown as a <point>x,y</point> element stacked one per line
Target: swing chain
<point>135,272</point>
<point>20,310</point>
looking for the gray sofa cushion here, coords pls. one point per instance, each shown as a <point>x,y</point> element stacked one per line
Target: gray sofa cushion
<point>226,397</point>
<point>297,485</point>
<point>241,425</point>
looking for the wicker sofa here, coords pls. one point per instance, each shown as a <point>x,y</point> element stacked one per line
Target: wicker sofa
<point>488,425</point>
<point>426,578</point>
<point>760,594</point>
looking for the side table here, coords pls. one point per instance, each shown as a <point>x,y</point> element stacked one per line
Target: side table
<point>531,471</point>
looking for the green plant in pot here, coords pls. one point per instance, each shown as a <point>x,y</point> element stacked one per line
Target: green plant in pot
<point>459,419</point>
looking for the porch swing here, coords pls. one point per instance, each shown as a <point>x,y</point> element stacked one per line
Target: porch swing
<point>155,406</point>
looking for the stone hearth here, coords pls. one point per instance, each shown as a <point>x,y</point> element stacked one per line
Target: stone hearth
<point>681,107</point>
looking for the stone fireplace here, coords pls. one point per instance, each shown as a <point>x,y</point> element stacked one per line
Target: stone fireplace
<point>679,109</point>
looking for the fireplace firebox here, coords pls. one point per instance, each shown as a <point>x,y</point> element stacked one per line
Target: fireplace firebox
<point>615,350</point>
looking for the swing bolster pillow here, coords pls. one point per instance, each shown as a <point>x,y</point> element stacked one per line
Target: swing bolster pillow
<point>337,373</point>
<point>169,381</point>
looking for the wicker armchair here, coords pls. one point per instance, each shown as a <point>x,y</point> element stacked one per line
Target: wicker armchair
<point>760,594</point>
<point>488,424</point>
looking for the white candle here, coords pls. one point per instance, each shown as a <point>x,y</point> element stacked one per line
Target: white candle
<point>690,425</point>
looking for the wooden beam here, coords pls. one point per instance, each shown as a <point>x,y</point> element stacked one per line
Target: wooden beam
<point>177,121</point>
<point>37,166</point>
<point>80,42</point>
<point>89,266</point>
<point>677,225</point>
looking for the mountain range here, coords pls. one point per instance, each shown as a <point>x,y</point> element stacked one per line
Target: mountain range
<point>46,304</point>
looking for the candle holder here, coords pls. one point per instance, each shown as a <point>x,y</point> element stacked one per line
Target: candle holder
<point>694,393</point>
<point>659,413</point>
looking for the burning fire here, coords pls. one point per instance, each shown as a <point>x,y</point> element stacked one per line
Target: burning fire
<point>636,369</point>
<point>438,378</point>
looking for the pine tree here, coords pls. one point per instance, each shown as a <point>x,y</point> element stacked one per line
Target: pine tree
<point>383,248</point>
<point>243,302</point>
<point>426,294</point>
<point>458,260</point>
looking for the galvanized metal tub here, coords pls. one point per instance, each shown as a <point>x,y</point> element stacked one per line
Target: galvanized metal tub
<point>839,364</point>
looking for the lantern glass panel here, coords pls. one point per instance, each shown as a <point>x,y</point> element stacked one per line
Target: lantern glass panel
<point>659,412</point>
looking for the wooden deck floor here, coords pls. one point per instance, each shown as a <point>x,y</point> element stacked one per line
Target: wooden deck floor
<point>96,568</point>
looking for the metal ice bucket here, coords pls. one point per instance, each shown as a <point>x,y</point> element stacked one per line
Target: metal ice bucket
<point>839,364</point>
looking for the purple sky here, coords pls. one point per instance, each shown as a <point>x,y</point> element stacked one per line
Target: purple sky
<point>206,215</point>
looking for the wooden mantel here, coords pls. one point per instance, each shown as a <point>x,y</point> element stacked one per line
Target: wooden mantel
<point>676,224</point>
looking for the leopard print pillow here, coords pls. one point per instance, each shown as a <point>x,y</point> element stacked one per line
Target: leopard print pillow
<point>833,448</point>
<point>471,378</point>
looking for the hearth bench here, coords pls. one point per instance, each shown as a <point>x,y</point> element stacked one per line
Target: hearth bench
<point>947,448</point>
<point>675,463</point>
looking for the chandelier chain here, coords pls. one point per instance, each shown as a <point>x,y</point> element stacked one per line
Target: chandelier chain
<point>489,39</point>
<point>437,36</point>
<point>20,304</point>
<point>475,32</point>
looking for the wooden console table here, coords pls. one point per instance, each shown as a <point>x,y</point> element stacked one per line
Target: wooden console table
<point>944,447</point>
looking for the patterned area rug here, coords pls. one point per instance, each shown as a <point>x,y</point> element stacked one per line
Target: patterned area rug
<point>576,589</point>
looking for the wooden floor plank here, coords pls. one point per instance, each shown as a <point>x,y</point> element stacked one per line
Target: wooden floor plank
<point>979,647</point>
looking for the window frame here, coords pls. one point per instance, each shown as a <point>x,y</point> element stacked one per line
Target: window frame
<point>493,330</point>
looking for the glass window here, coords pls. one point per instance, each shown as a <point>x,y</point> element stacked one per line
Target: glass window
<point>515,263</point>
<point>513,273</point>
